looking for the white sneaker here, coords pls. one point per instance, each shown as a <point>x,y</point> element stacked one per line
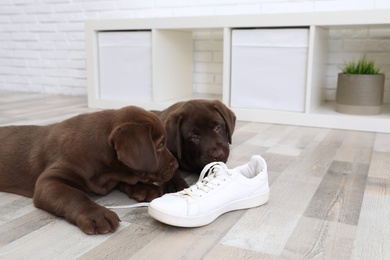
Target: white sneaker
<point>218,190</point>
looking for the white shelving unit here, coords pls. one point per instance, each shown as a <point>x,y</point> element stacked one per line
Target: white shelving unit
<point>172,63</point>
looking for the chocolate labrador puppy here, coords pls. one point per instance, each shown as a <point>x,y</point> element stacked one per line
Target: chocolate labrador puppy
<point>60,165</point>
<point>199,132</point>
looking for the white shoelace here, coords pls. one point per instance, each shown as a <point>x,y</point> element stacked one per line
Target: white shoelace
<point>216,174</point>
<point>135,205</point>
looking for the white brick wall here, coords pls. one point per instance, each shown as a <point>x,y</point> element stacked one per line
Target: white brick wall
<point>42,43</point>
<point>208,52</point>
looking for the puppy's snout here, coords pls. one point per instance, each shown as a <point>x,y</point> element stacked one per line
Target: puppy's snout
<point>174,164</point>
<point>170,171</point>
<point>218,155</point>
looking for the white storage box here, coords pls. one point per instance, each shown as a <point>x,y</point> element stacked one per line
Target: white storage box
<point>269,68</point>
<point>125,65</point>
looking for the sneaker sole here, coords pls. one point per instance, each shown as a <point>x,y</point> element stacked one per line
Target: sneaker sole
<point>203,220</point>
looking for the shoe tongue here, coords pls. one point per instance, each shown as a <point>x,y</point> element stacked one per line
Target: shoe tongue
<point>214,169</point>
<point>209,171</point>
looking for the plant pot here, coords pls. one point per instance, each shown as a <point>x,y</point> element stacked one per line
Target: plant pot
<point>359,94</point>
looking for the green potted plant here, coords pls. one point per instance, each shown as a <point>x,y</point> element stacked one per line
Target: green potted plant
<point>360,88</point>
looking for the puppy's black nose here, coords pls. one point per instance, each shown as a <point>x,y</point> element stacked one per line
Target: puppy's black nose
<point>174,164</point>
<point>218,156</point>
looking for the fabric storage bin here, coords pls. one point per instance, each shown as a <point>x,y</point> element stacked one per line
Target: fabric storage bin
<point>125,65</point>
<point>268,69</point>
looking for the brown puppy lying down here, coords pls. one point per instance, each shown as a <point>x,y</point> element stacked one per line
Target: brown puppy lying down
<point>199,132</point>
<point>60,164</point>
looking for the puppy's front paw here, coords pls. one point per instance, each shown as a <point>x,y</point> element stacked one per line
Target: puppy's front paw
<point>98,220</point>
<point>141,191</point>
<point>177,183</point>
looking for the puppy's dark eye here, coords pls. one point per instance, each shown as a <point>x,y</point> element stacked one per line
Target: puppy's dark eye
<point>218,128</point>
<point>160,147</point>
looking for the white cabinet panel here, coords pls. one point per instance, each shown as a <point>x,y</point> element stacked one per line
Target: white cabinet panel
<point>125,65</point>
<point>269,68</point>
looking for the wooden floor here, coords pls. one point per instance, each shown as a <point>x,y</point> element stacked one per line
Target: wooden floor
<point>330,199</point>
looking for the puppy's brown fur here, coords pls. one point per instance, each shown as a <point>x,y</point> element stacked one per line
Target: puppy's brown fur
<point>59,165</point>
<point>199,132</point>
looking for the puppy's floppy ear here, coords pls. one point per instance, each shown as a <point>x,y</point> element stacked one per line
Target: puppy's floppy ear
<point>172,126</point>
<point>228,116</point>
<point>134,146</point>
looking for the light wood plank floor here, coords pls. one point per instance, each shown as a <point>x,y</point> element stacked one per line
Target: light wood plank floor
<point>330,199</point>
